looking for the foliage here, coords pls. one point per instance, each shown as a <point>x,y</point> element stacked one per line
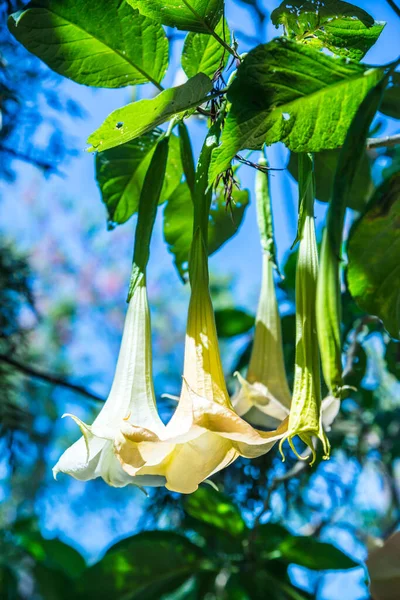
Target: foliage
<point>309,90</point>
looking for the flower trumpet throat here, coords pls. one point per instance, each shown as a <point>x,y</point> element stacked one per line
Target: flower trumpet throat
<point>205,434</point>
<point>305,418</point>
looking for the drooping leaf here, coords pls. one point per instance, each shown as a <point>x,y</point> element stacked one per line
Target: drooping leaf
<point>373,251</point>
<point>202,53</point>
<point>212,507</point>
<point>274,99</point>
<point>190,15</point>
<point>343,28</point>
<point>107,45</point>
<point>146,565</point>
<point>178,223</point>
<point>135,119</point>
<point>120,173</point>
<point>232,321</point>
<point>391,98</point>
<point>325,163</point>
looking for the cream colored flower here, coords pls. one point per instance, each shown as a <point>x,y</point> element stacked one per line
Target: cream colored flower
<point>131,396</point>
<point>205,434</point>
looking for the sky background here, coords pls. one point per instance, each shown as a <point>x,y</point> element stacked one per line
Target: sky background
<point>45,215</point>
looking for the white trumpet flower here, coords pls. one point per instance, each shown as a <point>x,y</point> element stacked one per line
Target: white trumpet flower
<point>131,397</point>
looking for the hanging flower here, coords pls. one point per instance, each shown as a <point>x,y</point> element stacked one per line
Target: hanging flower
<point>305,418</point>
<point>131,396</point>
<point>205,434</point>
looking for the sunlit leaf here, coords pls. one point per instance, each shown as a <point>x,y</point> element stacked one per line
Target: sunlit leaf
<point>202,53</point>
<point>190,15</point>
<point>109,45</point>
<point>145,565</point>
<point>275,99</point>
<point>212,507</point>
<point>373,249</point>
<point>120,173</point>
<point>135,119</point>
<point>341,27</point>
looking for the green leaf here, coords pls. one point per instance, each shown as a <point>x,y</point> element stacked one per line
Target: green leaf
<point>274,98</point>
<point>325,163</point>
<point>144,566</point>
<point>391,98</point>
<point>310,553</point>
<point>135,119</point>
<point>52,553</point>
<point>104,45</point>
<point>373,271</point>
<point>202,53</point>
<point>178,223</point>
<point>233,321</point>
<point>120,173</point>
<point>201,16</point>
<point>343,28</point>
<point>216,509</point>
<point>187,155</point>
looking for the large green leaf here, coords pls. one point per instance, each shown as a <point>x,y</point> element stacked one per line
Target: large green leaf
<point>190,15</point>
<point>106,44</point>
<point>202,53</point>
<point>373,251</point>
<point>215,509</point>
<point>341,27</point>
<point>178,223</point>
<point>144,567</point>
<point>289,92</point>
<point>120,173</point>
<point>325,163</point>
<point>135,119</point>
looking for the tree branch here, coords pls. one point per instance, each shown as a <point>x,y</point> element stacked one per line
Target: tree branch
<point>383,142</point>
<point>394,7</point>
<point>53,379</point>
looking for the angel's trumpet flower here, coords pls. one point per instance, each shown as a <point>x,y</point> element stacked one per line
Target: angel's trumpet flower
<point>305,419</point>
<point>205,434</point>
<point>132,394</point>
<point>264,396</point>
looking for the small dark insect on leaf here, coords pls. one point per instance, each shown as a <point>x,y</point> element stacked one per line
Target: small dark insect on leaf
<point>119,125</point>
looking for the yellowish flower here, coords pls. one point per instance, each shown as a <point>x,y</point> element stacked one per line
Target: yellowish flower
<point>205,434</point>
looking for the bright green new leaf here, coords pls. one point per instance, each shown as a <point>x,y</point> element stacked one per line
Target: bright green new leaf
<point>135,119</point>
<point>178,223</point>
<point>190,15</point>
<point>374,249</point>
<point>213,508</point>
<point>107,45</point>
<point>202,53</point>
<point>274,98</point>
<point>341,27</point>
<point>325,163</point>
<point>120,173</point>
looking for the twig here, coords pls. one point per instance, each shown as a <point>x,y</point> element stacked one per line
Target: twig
<point>394,6</point>
<point>54,379</point>
<point>383,142</point>
<point>47,167</point>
